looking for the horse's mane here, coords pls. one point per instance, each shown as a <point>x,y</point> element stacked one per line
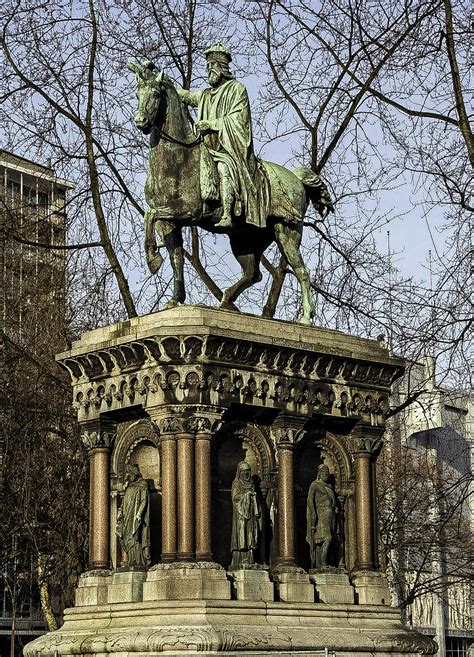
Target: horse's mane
<point>175,109</point>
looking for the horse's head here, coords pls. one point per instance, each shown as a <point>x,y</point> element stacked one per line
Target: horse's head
<point>149,88</point>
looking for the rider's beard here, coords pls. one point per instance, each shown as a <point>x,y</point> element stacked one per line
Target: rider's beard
<point>214,78</point>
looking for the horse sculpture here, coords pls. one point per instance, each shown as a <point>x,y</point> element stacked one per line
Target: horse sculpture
<point>174,196</point>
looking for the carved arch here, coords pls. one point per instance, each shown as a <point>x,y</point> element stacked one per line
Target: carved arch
<point>332,446</point>
<point>253,440</point>
<point>138,432</point>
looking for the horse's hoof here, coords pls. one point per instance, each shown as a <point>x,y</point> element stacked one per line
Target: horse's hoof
<point>305,320</point>
<point>170,304</point>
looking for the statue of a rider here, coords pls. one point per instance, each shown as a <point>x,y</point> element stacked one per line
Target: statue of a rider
<point>224,121</point>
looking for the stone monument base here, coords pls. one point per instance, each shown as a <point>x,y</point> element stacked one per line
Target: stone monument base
<point>187,581</point>
<point>332,587</point>
<point>251,583</point>
<point>234,627</point>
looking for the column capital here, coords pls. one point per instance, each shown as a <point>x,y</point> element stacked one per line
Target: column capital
<point>287,430</point>
<point>98,433</point>
<point>193,419</point>
<point>365,440</point>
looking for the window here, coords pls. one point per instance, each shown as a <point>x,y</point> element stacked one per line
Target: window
<point>456,647</point>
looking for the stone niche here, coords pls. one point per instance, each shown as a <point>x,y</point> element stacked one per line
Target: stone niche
<point>187,395</point>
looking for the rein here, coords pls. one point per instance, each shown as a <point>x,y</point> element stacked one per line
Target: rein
<point>173,140</point>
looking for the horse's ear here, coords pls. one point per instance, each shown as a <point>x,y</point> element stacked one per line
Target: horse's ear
<point>136,68</point>
<point>159,77</point>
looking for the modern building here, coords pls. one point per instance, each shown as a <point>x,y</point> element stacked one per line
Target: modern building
<point>32,317</point>
<point>431,448</point>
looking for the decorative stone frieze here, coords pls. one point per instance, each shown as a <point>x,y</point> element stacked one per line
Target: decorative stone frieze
<point>270,365</point>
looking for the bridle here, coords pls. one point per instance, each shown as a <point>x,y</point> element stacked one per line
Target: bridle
<point>173,140</point>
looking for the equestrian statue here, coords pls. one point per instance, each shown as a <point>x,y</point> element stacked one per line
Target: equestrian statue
<point>207,175</point>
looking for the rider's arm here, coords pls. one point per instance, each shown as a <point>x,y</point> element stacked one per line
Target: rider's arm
<point>190,97</point>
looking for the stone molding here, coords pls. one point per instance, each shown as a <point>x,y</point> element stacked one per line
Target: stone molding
<point>301,379</point>
<point>223,627</point>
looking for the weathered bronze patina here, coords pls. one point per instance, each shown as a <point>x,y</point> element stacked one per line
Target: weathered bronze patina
<point>247,517</point>
<point>212,179</point>
<point>321,510</point>
<point>133,520</point>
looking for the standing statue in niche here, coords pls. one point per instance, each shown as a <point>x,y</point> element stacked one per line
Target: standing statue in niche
<point>321,510</point>
<point>246,518</point>
<point>133,520</point>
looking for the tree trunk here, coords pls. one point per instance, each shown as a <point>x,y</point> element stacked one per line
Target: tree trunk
<point>45,600</point>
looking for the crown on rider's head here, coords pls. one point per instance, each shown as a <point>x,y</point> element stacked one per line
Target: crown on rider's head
<point>219,53</point>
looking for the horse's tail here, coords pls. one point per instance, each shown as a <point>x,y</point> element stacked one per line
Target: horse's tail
<point>316,189</point>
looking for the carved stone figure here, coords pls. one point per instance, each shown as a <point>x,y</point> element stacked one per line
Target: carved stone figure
<point>246,518</point>
<point>212,179</point>
<point>321,510</point>
<point>133,519</point>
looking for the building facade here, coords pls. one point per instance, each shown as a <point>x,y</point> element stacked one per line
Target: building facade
<point>32,322</point>
<point>430,446</point>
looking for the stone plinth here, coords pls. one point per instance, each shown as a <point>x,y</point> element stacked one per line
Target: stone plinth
<point>252,584</point>
<point>207,388</point>
<point>192,581</point>
<point>235,628</point>
<point>126,586</point>
<point>293,585</point>
<point>92,588</point>
<point>371,588</point>
<point>332,587</point>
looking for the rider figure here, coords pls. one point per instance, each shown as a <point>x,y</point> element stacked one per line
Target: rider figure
<point>224,121</point>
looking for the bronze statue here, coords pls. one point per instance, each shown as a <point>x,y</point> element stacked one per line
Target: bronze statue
<point>212,179</point>
<point>133,519</point>
<point>321,510</point>
<point>225,124</point>
<point>246,518</point>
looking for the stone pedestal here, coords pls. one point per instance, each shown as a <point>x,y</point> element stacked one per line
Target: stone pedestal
<point>293,585</point>
<point>252,584</point>
<point>187,581</point>
<point>371,588</point>
<point>126,586</point>
<point>92,588</point>
<point>193,628</point>
<point>209,385</point>
<point>332,587</point>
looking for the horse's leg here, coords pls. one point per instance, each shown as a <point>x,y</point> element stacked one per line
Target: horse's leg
<point>288,239</point>
<point>153,257</point>
<point>250,263</point>
<point>173,239</point>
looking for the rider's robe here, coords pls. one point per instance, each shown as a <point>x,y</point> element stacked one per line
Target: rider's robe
<point>227,109</point>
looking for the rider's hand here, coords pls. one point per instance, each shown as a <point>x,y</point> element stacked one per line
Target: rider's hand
<point>202,126</point>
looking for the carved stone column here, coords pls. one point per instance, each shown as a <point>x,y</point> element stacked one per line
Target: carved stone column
<point>203,489</point>
<point>365,443</point>
<point>98,438</point>
<point>292,582</point>
<point>168,470</point>
<point>185,476</point>
<point>286,503</point>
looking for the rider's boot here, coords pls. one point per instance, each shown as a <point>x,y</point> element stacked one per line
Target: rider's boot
<point>227,199</point>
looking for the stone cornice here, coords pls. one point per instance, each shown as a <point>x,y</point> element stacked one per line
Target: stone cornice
<point>202,356</point>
